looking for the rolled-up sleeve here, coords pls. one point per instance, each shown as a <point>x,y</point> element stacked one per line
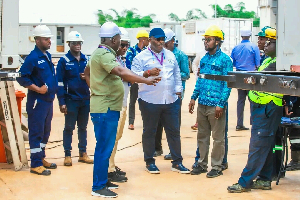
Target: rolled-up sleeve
<point>26,71</point>
<point>137,66</point>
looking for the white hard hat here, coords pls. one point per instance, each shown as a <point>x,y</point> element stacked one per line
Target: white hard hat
<point>74,36</point>
<point>42,31</point>
<point>169,34</point>
<point>246,31</point>
<point>124,34</point>
<point>108,30</point>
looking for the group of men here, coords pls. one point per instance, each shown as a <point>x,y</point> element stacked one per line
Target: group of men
<point>100,88</point>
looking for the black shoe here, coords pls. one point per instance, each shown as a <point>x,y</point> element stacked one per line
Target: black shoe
<point>168,157</point>
<point>158,153</point>
<point>214,173</point>
<point>111,185</point>
<point>115,177</point>
<point>104,192</point>
<point>119,171</point>
<point>198,170</point>
<point>241,128</point>
<point>224,166</point>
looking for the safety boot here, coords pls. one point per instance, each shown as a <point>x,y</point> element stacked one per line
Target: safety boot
<point>83,157</point>
<point>68,161</point>
<point>49,165</point>
<point>41,170</point>
<point>295,162</point>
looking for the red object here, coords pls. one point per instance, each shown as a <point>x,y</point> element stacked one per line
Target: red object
<point>19,96</point>
<point>148,73</point>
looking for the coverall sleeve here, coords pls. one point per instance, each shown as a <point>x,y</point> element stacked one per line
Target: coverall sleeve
<point>225,90</point>
<point>26,71</point>
<point>60,74</point>
<point>184,67</point>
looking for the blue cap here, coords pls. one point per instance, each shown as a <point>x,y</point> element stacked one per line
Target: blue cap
<point>157,33</point>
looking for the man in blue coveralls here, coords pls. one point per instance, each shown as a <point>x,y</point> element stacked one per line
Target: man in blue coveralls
<point>74,97</point>
<point>38,75</point>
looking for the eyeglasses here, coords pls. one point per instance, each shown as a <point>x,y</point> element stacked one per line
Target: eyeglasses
<point>207,39</point>
<point>160,39</point>
<point>123,45</point>
<point>75,43</point>
<point>268,42</point>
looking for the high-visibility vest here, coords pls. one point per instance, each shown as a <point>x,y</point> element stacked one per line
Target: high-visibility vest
<point>265,97</point>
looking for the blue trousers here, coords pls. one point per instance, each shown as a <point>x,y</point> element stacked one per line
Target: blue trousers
<point>226,141</point>
<point>168,114</point>
<point>78,111</point>
<point>39,124</point>
<point>105,128</point>
<point>265,121</point>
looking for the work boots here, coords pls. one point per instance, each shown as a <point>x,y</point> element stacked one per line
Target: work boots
<point>83,157</point>
<point>295,162</point>
<point>49,165</point>
<point>41,170</point>
<point>68,161</point>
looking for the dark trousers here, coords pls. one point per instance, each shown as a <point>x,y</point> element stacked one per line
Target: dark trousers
<point>78,111</point>
<point>159,131</point>
<point>265,120</point>
<point>39,124</point>
<point>277,153</point>
<point>105,128</point>
<point>242,94</point>
<point>134,90</point>
<point>168,113</point>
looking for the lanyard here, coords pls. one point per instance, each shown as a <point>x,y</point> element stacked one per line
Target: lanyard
<point>161,61</point>
<point>121,61</point>
<point>104,47</point>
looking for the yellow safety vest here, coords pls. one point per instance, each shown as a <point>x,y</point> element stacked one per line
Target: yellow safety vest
<point>265,97</point>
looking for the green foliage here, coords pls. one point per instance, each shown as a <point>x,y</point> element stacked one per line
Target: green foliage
<point>191,14</point>
<point>127,18</point>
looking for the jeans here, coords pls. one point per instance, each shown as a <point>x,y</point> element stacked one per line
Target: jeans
<point>226,141</point>
<point>78,111</point>
<point>265,120</point>
<point>242,94</point>
<point>105,128</point>
<point>168,114</point>
<point>134,90</point>
<point>39,124</point>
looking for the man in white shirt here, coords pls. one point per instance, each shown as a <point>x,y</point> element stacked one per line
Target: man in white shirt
<point>161,102</point>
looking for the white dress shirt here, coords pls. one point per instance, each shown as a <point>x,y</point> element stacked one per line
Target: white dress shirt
<point>165,91</point>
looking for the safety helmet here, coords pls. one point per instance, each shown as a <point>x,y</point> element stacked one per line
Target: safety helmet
<point>42,31</point>
<point>74,36</point>
<point>214,31</point>
<point>109,30</point>
<point>271,33</point>
<point>142,33</point>
<point>124,34</point>
<point>169,34</point>
<point>262,32</point>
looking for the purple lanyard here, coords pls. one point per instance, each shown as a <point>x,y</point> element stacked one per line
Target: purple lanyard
<point>104,47</point>
<point>161,61</point>
<point>121,61</point>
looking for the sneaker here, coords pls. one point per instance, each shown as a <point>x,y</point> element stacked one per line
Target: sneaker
<point>115,177</point>
<point>198,170</point>
<point>237,188</point>
<point>119,171</point>
<point>111,185</point>
<point>293,166</point>
<point>104,192</point>
<point>241,128</point>
<point>158,153</point>
<point>180,169</point>
<point>224,166</point>
<point>168,157</point>
<point>48,165</point>
<point>152,169</point>
<point>214,173</point>
<point>195,164</point>
<point>260,184</point>
<point>131,127</point>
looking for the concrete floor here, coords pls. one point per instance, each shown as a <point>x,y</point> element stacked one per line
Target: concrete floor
<point>75,182</point>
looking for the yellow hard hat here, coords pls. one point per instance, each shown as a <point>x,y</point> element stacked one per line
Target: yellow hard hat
<point>271,33</point>
<point>142,33</point>
<point>214,31</point>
